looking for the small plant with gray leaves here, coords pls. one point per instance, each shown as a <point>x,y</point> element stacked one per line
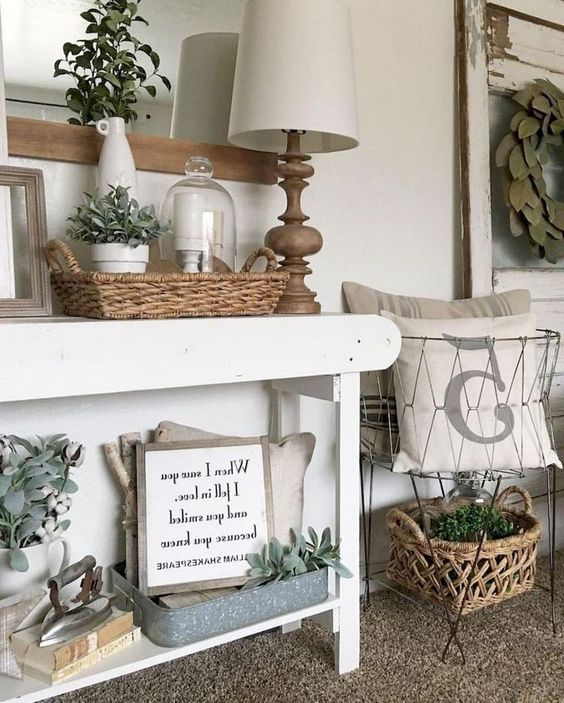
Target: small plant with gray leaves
<point>278,562</point>
<point>35,490</point>
<point>115,218</point>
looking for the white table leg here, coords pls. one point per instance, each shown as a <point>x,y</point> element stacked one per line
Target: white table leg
<point>347,639</point>
<point>291,626</point>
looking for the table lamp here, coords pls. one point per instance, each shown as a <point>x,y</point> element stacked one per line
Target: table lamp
<point>294,90</point>
<point>204,84</point>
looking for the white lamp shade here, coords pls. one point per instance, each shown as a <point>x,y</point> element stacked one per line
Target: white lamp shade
<point>202,100</point>
<point>294,71</point>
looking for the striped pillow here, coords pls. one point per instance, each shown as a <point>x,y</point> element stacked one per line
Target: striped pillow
<point>378,435</point>
<point>364,300</point>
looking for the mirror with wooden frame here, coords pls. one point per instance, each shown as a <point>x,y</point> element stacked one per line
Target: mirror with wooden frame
<point>33,35</point>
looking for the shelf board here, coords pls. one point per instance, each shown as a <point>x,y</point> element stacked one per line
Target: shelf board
<point>65,357</point>
<point>58,141</point>
<point>144,654</point>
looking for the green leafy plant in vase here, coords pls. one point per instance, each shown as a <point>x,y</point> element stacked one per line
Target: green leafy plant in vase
<point>278,562</point>
<point>35,490</point>
<point>118,229</point>
<point>111,66</point>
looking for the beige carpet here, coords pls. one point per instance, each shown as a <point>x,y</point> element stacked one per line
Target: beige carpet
<point>512,657</point>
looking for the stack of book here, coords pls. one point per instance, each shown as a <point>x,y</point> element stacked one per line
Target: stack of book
<point>57,662</point>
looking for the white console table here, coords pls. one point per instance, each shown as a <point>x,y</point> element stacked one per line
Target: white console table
<point>317,356</point>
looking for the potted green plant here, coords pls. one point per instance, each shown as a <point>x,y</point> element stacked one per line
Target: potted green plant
<point>118,230</point>
<point>279,562</point>
<point>111,66</point>
<point>35,497</point>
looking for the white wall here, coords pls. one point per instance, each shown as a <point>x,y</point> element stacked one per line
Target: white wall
<point>389,214</point>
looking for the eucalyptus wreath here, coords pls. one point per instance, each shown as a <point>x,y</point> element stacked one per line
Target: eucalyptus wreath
<point>523,153</point>
<point>107,65</point>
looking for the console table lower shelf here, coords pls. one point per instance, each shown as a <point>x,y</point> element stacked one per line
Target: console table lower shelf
<point>144,654</point>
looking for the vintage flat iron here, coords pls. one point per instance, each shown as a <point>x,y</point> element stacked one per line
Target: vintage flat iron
<point>79,615</point>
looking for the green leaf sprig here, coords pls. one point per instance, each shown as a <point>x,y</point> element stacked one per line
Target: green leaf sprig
<point>35,490</point>
<point>467,523</point>
<point>114,218</point>
<point>106,66</point>
<point>523,153</point>
<point>279,562</point>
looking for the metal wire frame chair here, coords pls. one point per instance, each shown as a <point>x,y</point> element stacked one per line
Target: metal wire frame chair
<point>521,393</point>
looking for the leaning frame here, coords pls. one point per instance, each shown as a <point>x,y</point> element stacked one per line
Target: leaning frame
<point>39,301</point>
<point>498,50</point>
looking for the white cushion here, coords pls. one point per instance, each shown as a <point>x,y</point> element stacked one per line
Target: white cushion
<point>469,404</point>
<point>377,435</point>
<point>288,463</point>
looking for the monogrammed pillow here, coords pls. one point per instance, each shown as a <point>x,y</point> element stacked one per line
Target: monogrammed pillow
<point>378,427</point>
<point>468,396</point>
<point>288,463</point>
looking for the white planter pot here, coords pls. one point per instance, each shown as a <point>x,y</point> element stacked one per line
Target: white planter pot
<point>45,560</point>
<point>116,166</point>
<point>119,258</point>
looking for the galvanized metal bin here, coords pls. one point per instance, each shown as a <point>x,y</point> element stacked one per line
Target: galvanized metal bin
<point>174,627</point>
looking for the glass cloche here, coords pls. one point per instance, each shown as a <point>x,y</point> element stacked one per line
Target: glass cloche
<point>467,492</point>
<point>202,217</point>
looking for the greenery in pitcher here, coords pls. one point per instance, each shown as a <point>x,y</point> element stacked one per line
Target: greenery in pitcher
<point>467,523</point>
<point>279,562</point>
<point>35,490</point>
<point>106,66</point>
<point>115,218</point>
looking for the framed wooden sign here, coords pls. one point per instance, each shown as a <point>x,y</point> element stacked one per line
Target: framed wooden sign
<point>202,506</point>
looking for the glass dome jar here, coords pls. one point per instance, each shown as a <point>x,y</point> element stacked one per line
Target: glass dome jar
<point>469,492</point>
<point>202,217</point>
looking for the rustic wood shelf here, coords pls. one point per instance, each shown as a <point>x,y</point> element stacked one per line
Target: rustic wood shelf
<point>58,141</point>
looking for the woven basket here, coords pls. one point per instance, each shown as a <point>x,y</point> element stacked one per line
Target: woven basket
<point>506,567</point>
<point>125,296</point>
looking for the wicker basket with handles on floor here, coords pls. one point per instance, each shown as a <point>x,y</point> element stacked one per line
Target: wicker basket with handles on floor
<point>506,567</point>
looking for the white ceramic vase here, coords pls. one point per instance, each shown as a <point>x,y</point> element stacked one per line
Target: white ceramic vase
<point>119,258</point>
<point>45,560</point>
<point>116,165</point>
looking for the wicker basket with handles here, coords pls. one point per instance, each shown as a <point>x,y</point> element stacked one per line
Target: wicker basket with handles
<point>506,567</point>
<point>124,296</point>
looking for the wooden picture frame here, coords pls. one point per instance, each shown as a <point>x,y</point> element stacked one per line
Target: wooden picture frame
<point>201,507</point>
<point>499,50</point>
<point>38,303</point>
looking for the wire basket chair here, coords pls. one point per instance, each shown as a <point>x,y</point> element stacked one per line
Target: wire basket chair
<point>472,410</point>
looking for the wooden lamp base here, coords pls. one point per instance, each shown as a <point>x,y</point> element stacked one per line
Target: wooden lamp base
<point>293,240</point>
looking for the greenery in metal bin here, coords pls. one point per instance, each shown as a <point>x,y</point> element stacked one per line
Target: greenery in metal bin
<point>279,562</point>
<point>106,66</point>
<point>34,491</point>
<point>114,218</point>
<point>467,523</point>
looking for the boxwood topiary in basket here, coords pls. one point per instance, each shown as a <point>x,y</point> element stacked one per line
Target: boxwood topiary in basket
<point>467,523</point>
<point>439,568</point>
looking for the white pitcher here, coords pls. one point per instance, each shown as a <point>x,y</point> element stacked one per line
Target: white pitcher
<point>45,560</point>
<point>116,166</point>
